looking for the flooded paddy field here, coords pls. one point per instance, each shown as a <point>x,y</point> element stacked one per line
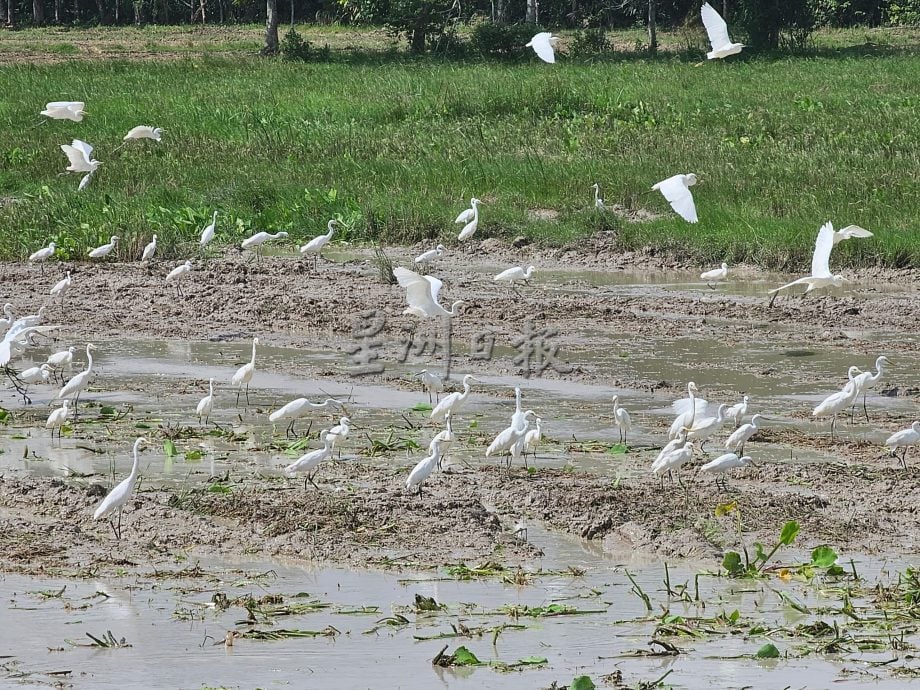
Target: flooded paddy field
<point>617,574</point>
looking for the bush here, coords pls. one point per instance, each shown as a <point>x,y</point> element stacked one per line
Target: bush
<point>589,43</point>
<point>503,41</point>
<point>294,47</point>
<point>766,22</point>
<point>904,12</point>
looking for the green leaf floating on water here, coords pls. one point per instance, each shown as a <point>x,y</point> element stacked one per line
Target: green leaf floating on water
<point>464,657</point>
<point>823,557</point>
<point>617,449</point>
<point>170,449</point>
<point>533,660</point>
<point>732,562</point>
<point>107,411</point>
<point>193,455</point>
<point>789,533</point>
<point>768,651</point>
<point>422,407</point>
<point>583,683</point>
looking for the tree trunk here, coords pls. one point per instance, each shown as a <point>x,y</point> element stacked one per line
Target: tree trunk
<point>38,11</point>
<point>76,11</point>
<point>419,31</point>
<point>271,28</point>
<point>292,14</point>
<point>531,13</point>
<point>220,10</point>
<point>9,13</point>
<point>652,27</point>
<point>136,6</point>
<point>57,11</point>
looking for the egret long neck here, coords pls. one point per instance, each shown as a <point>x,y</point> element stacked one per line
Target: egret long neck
<point>135,466</point>
<point>252,361</point>
<point>89,359</point>
<point>330,227</point>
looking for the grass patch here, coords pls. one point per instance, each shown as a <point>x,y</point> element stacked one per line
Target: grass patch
<point>396,148</point>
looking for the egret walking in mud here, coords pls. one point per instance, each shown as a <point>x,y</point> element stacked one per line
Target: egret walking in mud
<point>316,245</point>
<point>260,238</point>
<point>424,468</point>
<point>836,403</point>
<point>516,274</point>
<point>79,382</point>
<point>309,462</point>
<point>60,288</point>
<point>904,439</point>
<point>532,439</point>
<point>298,408</point>
<point>104,250</point>
<point>511,440</point>
<point>453,402</point>
<point>150,249</point>
<point>206,404</point>
<point>471,219</point>
<point>621,419</point>
<point>243,375</point>
<point>429,256</point>
<point>177,275</point>
<point>723,464</point>
<point>432,383</point>
<point>736,440</point>
<point>42,255</point>
<point>118,496</point>
<point>715,275</point>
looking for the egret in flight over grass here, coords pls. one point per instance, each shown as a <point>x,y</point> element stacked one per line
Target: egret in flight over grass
<point>244,374</point>
<point>433,384</point>
<point>424,468</point>
<point>298,408</point>
<point>178,274</point>
<point>208,233</point>
<point>904,439</point>
<point>42,255</point>
<point>717,30</point>
<point>80,155</point>
<point>60,288</point>
<point>598,202</point>
<point>715,275</point>
<point>471,219</point>
<point>260,238</point>
<point>57,418</point>
<point>310,461</point>
<point>454,402</point>
<point>149,250</point>
<point>315,246</point>
<point>430,255</point>
<point>676,189</point>
<point>144,132</point>
<point>850,232</point>
<point>422,294</point>
<point>104,250</point>
<point>206,404</point>
<point>821,276</point>
<point>544,45</point>
<point>65,110</point>
<point>120,494</point>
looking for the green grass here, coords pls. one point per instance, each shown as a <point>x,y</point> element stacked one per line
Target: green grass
<point>395,147</point>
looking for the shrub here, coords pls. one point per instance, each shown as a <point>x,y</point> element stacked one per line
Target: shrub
<point>766,22</point>
<point>294,47</point>
<point>904,12</point>
<point>503,41</point>
<point>589,43</point>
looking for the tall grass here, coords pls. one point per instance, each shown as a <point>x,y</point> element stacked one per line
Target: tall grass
<point>396,149</point>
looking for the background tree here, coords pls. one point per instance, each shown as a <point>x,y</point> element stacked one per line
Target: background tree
<point>271,28</point>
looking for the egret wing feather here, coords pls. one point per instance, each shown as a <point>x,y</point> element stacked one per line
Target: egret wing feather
<point>716,27</point>
<point>821,260</point>
<point>678,195</point>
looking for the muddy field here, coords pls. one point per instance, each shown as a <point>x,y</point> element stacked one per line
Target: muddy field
<point>631,324</point>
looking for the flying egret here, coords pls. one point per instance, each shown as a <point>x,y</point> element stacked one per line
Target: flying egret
<point>849,232</point>
<point>143,132</point>
<point>432,382</point>
<point>533,438</point>
<point>836,403</point>
<point>75,386</point>
<point>514,275</point>
<point>61,361</point>
<point>866,380</point>
<point>445,437</point>
<point>260,238</point>
<point>149,250</point>
<point>80,155</point>
<point>544,44</point>
<point>422,294</point>
<point>298,408</point>
<point>510,439</point>
<point>454,402</point>
<point>10,317</point>
<point>471,217</point>
<point>598,202</point>
<point>120,494</point>
<point>315,246</point>
<point>57,418</point>
<point>736,440</point>
<point>738,410</point>
<point>104,250</point>
<point>340,432</point>
<point>65,110</point>
<point>715,275</point>
<point>687,410</point>
<point>310,461</point>
<point>178,274</point>
<point>430,255</point>
<point>244,374</point>
<point>42,255</point>
<point>704,428</point>
<point>60,288</point>
<point>424,468</point>
<point>723,464</point>
<point>717,30</point>
<point>676,189</point>
<point>904,439</point>
<point>621,419</point>
<point>208,233</point>
<point>206,404</point>
<point>821,276</point>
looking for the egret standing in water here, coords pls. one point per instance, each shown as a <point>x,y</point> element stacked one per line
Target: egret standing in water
<point>340,432</point>
<point>61,361</point>
<point>866,381</point>
<point>621,419</point>
<point>904,439</point>
<point>310,461</point>
<point>298,408</point>
<point>57,419</point>
<point>315,246</point>
<point>715,275</point>
<point>445,437</point>
<point>454,402</point>
<point>516,274</point>
<point>836,403</point>
<point>244,374</point>
<point>80,381</point>
<point>737,411</point>
<point>120,494</point>
<point>206,404</point>
<point>471,219</point>
<point>260,238</point>
<point>433,384</point>
<point>735,442</point>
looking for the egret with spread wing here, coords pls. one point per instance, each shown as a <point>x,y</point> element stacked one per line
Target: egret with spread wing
<point>676,189</point>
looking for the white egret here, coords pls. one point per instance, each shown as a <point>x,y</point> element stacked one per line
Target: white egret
<point>532,439</point>
<point>517,417</point>
<point>208,233</point>
<point>866,380</point>
<point>850,232</point>
<point>471,219</point>
<point>430,255</point>
<point>144,132</point>
<point>260,238</point>
<point>723,464</point>
<point>308,462</point>
<point>60,288</point>
<point>32,319</point>
<point>206,404</point>
<point>738,410</point>
<point>736,440</point>
<point>61,361</point>
<point>298,408</point>
<point>904,439</point>
<point>340,432</point>
<point>104,250</point>
<point>118,496</point>
<point>42,255</point>
<point>315,246</point>
<point>10,317</point>
<point>453,402</point>
<point>821,276</point>
<point>150,249</point>
<point>704,428</point>
<point>687,410</point>
<point>39,374</point>
<point>57,418</point>
<point>422,294</point>
<point>514,275</point>
<point>510,439</point>
<point>178,274</point>
<point>717,30</point>
<point>598,202</point>
<point>715,275</point>
<point>84,183</point>
<point>244,374</point>
<point>621,419</point>
<point>65,110</point>
<point>836,403</point>
<point>676,189</point>
<point>544,44</point>
<point>445,437</point>
<point>675,459</point>
<point>80,155</point>
<point>432,382</point>
<point>424,468</point>
<point>75,386</point>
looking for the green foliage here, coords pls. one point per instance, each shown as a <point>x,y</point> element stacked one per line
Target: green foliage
<point>753,567</point>
<point>904,12</point>
<point>169,449</point>
<point>590,43</point>
<point>464,657</point>
<point>768,24</point>
<point>768,651</point>
<point>503,41</point>
<point>582,683</point>
<point>294,47</point>
<point>424,23</point>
